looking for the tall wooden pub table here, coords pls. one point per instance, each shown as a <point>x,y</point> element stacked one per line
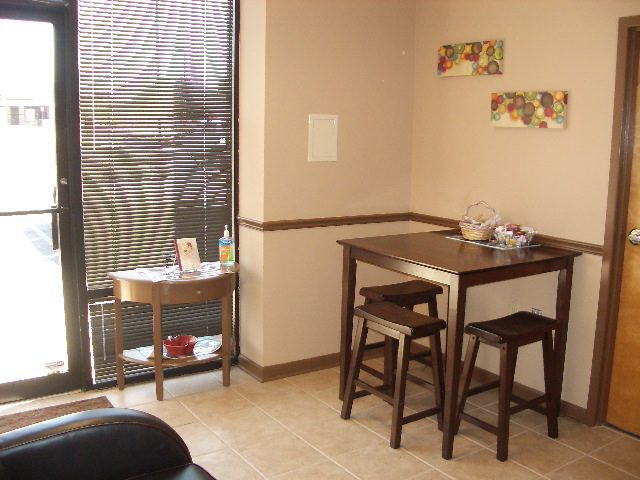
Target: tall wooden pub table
<point>156,288</point>
<point>458,265</point>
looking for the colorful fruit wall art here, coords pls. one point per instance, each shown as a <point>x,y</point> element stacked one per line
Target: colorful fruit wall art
<point>544,109</point>
<point>475,58</point>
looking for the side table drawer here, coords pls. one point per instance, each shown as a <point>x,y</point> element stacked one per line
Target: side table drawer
<point>176,292</point>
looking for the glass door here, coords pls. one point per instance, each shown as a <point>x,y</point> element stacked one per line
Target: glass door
<point>38,319</point>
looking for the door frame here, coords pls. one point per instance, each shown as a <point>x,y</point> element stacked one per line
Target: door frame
<point>615,238</point>
<point>62,15</point>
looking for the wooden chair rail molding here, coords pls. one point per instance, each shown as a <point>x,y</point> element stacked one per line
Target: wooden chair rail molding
<point>275,225</point>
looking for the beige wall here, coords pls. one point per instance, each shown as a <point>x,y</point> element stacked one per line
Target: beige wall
<point>353,58</point>
<point>251,91</point>
<point>554,180</point>
<point>409,140</point>
<point>251,167</point>
<point>302,298</point>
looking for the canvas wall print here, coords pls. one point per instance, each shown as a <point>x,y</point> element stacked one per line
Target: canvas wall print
<point>475,58</point>
<point>534,109</point>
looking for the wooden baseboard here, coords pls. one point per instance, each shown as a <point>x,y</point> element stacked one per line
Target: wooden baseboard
<point>567,409</point>
<point>249,366</point>
<point>283,370</point>
<point>289,369</point>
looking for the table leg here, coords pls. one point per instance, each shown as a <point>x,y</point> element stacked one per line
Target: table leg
<point>118,342</point>
<point>226,340</point>
<point>455,328</point>
<point>563,304</point>
<point>157,342</point>
<point>348,297</point>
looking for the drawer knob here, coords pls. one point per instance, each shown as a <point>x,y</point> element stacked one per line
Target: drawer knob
<point>198,292</point>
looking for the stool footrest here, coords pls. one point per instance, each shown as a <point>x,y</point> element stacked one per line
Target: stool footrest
<point>361,393</point>
<point>423,359</point>
<point>526,404</point>
<point>420,415</point>
<point>410,376</point>
<point>484,388</point>
<point>420,354</point>
<point>372,371</point>
<point>419,381</point>
<point>480,423</point>
<point>377,391</point>
<point>374,345</point>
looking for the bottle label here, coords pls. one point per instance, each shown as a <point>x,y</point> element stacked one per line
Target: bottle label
<point>225,254</point>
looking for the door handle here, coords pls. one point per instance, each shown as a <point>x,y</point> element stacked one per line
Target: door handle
<point>55,230</point>
<point>634,236</point>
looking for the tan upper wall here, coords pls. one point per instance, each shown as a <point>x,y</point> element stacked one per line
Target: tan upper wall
<point>409,140</point>
<point>555,180</point>
<point>353,58</point>
<point>253,15</point>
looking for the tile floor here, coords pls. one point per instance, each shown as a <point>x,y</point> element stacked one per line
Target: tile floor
<point>290,429</point>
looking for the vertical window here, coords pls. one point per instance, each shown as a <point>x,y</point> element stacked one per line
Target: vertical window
<point>156,115</point>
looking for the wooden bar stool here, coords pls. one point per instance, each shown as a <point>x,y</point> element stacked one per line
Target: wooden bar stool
<point>407,295</point>
<point>508,334</point>
<point>403,325</point>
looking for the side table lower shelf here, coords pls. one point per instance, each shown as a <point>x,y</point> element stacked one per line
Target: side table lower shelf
<point>134,356</point>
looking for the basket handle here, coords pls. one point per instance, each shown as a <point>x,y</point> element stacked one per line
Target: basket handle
<point>480,203</point>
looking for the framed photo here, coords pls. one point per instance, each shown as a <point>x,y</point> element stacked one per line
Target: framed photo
<point>187,254</point>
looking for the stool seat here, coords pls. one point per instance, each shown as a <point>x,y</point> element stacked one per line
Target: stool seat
<point>402,320</point>
<point>405,294</point>
<point>517,328</point>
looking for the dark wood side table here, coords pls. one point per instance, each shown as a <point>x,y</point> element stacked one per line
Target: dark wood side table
<point>140,286</point>
<point>459,266</point>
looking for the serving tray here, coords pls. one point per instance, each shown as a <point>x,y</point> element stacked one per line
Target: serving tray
<point>491,243</point>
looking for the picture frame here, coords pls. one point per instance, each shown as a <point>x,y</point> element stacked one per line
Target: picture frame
<point>187,254</point>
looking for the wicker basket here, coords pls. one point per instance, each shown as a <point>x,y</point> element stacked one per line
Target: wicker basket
<point>480,227</point>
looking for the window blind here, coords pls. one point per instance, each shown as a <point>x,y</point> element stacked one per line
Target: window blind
<point>156,124</point>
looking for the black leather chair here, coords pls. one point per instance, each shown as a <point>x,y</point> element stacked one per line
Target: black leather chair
<point>101,444</point>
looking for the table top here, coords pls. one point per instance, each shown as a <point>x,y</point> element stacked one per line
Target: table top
<point>208,271</point>
<point>172,287</point>
<point>434,250</point>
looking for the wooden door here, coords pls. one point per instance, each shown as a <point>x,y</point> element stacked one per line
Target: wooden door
<point>624,395</point>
